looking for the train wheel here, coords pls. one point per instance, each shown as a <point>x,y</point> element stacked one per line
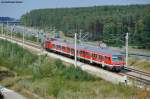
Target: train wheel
<point>105,67</point>
<point>113,69</point>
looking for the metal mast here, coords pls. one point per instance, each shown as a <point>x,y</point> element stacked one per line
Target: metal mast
<point>127,36</point>
<point>75,37</point>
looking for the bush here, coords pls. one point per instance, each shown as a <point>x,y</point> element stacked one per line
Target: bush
<point>59,64</point>
<point>15,57</point>
<point>55,86</point>
<point>73,73</point>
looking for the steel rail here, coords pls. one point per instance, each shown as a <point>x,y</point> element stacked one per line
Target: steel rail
<point>145,81</point>
<point>137,71</point>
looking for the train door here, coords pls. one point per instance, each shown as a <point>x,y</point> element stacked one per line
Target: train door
<point>49,45</point>
<point>107,59</point>
<point>94,56</point>
<point>100,58</point>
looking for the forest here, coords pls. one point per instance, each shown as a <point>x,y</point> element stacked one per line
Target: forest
<point>103,23</point>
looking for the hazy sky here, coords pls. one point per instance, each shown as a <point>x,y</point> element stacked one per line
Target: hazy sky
<point>16,10</point>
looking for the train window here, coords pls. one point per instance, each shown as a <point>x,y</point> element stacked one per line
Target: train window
<point>72,50</point>
<point>81,52</point>
<point>57,46</point>
<point>94,55</point>
<point>63,47</point>
<point>100,57</point>
<point>116,58</point>
<point>88,54</point>
<point>68,49</point>
<point>53,45</point>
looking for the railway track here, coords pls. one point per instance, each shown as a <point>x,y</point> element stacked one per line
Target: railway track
<point>144,81</point>
<point>137,71</point>
<point>130,72</point>
<point>138,75</point>
<point>25,42</point>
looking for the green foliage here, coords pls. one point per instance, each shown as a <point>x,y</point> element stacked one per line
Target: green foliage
<point>55,86</point>
<point>72,73</point>
<point>15,57</point>
<point>57,68</point>
<point>38,66</point>
<point>59,64</point>
<point>105,23</point>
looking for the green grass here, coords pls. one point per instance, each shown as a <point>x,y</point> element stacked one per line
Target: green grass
<point>52,79</point>
<point>15,57</point>
<point>140,64</point>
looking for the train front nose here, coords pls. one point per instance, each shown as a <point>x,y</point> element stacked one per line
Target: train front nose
<point>118,63</point>
<point>118,66</point>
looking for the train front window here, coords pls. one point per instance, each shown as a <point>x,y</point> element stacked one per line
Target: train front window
<point>116,58</point>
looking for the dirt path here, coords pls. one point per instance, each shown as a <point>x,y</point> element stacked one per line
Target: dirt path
<point>10,94</point>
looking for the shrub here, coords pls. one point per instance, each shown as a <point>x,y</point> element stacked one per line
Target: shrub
<point>59,64</point>
<point>15,57</point>
<point>73,73</point>
<point>55,86</point>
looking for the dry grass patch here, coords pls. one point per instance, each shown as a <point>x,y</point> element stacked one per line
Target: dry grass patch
<point>140,64</point>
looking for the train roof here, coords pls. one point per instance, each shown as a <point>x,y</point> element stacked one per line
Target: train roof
<point>88,47</point>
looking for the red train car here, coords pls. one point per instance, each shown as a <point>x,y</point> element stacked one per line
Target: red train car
<point>106,57</point>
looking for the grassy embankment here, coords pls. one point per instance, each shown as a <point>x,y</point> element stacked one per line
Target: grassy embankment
<point>140,64</point>
<point>52,79</point>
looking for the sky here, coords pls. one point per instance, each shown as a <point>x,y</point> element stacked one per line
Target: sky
<point>15,10</point>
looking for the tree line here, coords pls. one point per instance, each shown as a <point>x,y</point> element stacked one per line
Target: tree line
<point>103,23</point>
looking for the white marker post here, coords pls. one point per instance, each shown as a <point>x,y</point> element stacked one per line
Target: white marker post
<point>75,47</point>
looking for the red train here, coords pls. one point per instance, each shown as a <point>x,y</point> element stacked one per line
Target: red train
<point>106,57</point>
